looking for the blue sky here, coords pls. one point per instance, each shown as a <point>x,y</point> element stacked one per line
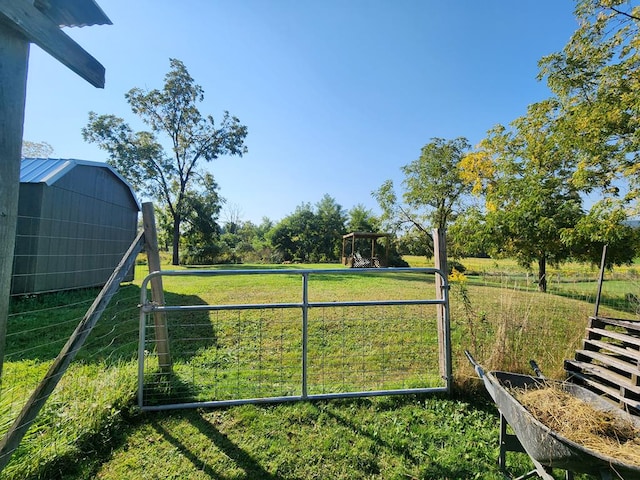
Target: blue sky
<point>336,95</point>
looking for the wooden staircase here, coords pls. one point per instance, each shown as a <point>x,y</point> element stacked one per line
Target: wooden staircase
<point>609,361</point>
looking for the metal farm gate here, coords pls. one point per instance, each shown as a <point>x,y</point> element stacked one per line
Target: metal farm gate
<point>311,334</point>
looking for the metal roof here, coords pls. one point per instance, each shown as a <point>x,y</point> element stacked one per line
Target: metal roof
<point>73,13</point>
<point>50,170</point>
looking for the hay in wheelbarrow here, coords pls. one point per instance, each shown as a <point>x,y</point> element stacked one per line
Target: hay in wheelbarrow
<point>573,418</point>
<point>547,448</point>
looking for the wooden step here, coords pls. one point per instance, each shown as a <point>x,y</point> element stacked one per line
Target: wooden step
<point>632,354</point>
<point>614,394</point>
<point>629,325</point>
<point>609,360</point>
<point>621,337</point>
<point>598,372</point>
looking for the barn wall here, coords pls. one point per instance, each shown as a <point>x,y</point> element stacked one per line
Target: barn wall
<point>27,238</point>
<point>88,219</point>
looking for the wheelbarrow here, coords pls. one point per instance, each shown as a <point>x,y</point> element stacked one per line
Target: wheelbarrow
<point>547,449</point>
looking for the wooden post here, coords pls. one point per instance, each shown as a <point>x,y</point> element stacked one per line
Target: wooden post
<point>157,290</point>
<point>444,344</point>
<point>20,24</point>
<point>14,56</point>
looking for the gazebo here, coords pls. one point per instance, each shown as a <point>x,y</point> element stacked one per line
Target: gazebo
<point>353,258</point>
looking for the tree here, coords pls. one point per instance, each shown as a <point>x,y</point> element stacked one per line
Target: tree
<point>200,231</point>
<point>604,224</point>
<point>310,234</point>
<point>596,80</point>
<point>361,219</point>
<point>433,190</point>
<point>171,176</point>
<point>295,235</point>
<point>330,219</point>
<point>36,149</point>
<point>530,201</point>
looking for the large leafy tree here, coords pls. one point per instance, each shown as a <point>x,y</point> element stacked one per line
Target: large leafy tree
<point>525,179</point>
<point>200,230</point>
<point>596,81</point>
<point>331,218</point>
<point>296,234</point>
<point>533,205</point>
<point>361,219</point>
<point>433,191</point>
<point>310,234</point>
<point>174,176</point>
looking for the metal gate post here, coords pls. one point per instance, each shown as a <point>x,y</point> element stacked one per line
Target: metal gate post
<point>305,331</point>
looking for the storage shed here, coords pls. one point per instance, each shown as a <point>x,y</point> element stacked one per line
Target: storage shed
<point>76,219</point>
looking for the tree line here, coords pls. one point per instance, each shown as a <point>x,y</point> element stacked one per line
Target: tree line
<point>310,234</point>
<point>521,192</point>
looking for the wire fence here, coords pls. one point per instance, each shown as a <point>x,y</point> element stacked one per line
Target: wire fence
<point>502,318</point>
<point>98,386</point>
<point>507,321</point>
<point>247,352</point>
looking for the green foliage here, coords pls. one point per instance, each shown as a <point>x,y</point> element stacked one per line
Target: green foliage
<point>595,80</point>
<point>433,189</point>
<point>310,234</point>
<point>362,219</point>
<point>200,230</point>
<point>433,193</point>
<point>433,180</point>
<point>604,225</point>
<point>466,237</point>
<point>533,207</point>
<point>172,178</point>
<point>582,140</point>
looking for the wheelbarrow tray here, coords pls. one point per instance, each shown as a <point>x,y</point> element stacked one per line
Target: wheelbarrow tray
<point>545,445</point>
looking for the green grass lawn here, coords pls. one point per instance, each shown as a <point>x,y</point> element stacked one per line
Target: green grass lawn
<point>92,429</point>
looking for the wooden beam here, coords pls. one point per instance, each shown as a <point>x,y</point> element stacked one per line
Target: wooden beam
<point>444,340</point>
<point>157,289</point>
<point>14,55</point>
<point>37,28</point>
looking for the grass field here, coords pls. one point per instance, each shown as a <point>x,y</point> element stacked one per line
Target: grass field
<point>91,428</point>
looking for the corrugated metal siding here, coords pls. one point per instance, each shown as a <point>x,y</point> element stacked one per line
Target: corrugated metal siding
<point>76,219</point>
<point>50,170</point>
<point>73,13</point>
<point>38,170</point>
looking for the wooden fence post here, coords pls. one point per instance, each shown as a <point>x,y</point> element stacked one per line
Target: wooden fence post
<point>444,343</point>
<point>157,291</point>
<point>14,53</point>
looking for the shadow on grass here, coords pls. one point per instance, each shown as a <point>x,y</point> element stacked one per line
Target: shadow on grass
<point>243,460</point>
<point>39,326</point>
<point>389,403</point>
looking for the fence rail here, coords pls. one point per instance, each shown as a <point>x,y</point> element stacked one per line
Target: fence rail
<point>405,335</point>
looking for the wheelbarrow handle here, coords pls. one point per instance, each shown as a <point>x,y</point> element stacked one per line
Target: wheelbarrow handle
<point>476,366</point>
<point>536,369</point>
